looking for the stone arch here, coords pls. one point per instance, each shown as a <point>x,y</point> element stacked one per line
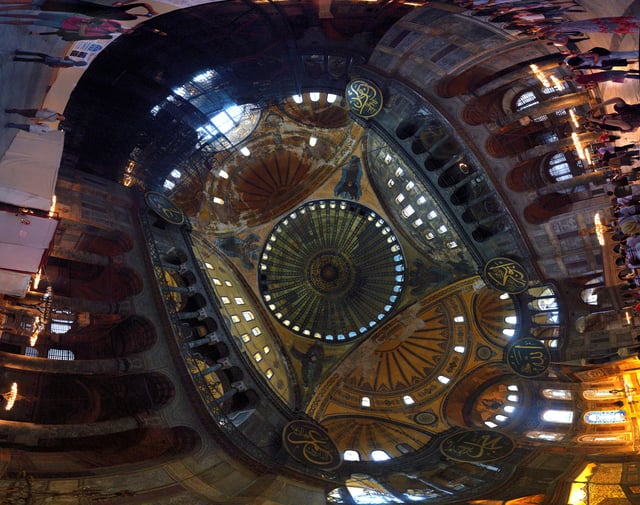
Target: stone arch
<point>105,243</point>
<point>484,109</point>
<point>408,127</point>
<point>468,192</point>
<point>525,176</point>
<point>547,206</point>
<point>199,328</point>
<point>243,401</point>
<point>455,174</point>
<point>75,279</point>
<point>188,278</point>
<point>194,302</point>
<point>481,210</point>
<point>504,145</point>
<point>110,339</point>
<point>212,353</point>
<point>84,399</point>
<point>175,256</point>
<point>464,82</point>
<point>82,455</point>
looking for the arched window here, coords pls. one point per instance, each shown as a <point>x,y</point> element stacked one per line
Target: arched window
<point>589,294</point>
<point>605,417</point>
<point>544,306</point>
<point>351,455</point>
<point>63,354</point>
<point>379,455</point>
<point>525,100</point>
<point>549,436</point>
<point>557,394</point>
<point>558,416</point>
<point>558,167</point>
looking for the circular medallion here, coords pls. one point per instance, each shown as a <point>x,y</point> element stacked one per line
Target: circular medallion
<point>331,270</point>
<point>164,207</point>
<point>364,98</point>
<point>506,275</point>
<point>477,446</point>
<point>309,444</point>
<point>528,357</point>
<point>484,353</point>
<point>426,418</point>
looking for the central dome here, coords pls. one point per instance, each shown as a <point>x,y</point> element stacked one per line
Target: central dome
<point>331,270</point>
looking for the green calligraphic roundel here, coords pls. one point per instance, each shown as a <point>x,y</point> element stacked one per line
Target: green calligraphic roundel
<point>310,445</point>
<point>364,98</point>
<point>477,446</point>
<point>528,357</point>
<point>164,207</point>
<point>506,275</point>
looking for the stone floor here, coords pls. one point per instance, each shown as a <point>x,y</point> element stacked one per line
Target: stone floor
<point>27,85</point>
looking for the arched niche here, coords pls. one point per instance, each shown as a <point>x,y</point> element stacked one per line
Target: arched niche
<point>85,399</point>
<point>484,109</point>
<point>75,279</point>
<point>546,207</point>
<point>104,242</point>
<point>130,335</point>
<point>82,455</point>
<point>194,302</point>
<point>408,127</point>
<point>481,210</point>
<point>194,329</point>
<point>525,176</point>
<point>482,395</point>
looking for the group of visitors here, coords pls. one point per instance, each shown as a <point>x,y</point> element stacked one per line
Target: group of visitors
<point>624,117</point>
<point>38,120</point>
<point>71,20</point>
<point>627,235</point>
<point>603,60</point>
<point>545,19</point>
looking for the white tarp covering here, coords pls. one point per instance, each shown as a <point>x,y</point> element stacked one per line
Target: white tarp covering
<point>26,230</point>
<point>20,258</point>
<point>14,283</point>
<point>24,238</point>
<point>29,169</point>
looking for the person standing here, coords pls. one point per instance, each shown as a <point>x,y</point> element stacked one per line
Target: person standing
<point>117,10</point>
<point>39,128</point>
<point>47,59</point>
<point>589,80</point>
<point>600,58</point>
<point>38,114</point>
<point>69,27</point>
<point>562,32</point>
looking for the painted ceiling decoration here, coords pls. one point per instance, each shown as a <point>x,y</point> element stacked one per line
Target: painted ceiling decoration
<point>346,238</point>
<point>331,270</point>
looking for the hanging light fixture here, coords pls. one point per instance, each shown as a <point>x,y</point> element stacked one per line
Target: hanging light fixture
<point>11,396</point>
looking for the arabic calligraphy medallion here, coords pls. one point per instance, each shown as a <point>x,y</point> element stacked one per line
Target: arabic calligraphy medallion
<point>364,98</point>
<point>476,446</point>
<point>309,444</point>
<point>507,275</point>
<point>528,357</point>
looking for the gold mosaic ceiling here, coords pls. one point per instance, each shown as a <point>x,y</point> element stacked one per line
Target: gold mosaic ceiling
<point>391,389</point>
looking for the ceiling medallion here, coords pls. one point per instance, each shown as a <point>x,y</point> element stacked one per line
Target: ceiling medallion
<point>364,98</point>
<point>528,357</point>
<point>477,446</point>
<point>164,207</point>
<point>331,270</point>
<point>310,444</point>
<point>506,275</point>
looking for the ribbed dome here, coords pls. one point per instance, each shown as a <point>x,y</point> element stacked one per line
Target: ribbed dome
<point>331,270</point>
